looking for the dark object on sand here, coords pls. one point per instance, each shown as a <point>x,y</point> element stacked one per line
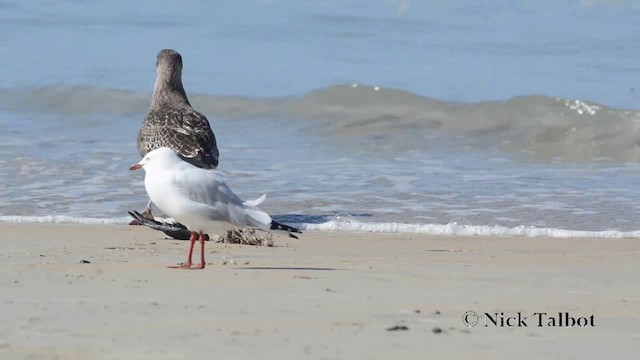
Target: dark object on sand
<point>85,261</point>
<point>398,328</point>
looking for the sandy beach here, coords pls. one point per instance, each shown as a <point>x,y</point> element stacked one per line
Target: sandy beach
<point>328,295</point>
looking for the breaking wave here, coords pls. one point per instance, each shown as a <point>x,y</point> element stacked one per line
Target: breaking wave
<point>384,119</point>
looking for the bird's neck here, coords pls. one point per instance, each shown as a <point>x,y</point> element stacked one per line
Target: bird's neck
<point>168,90</point>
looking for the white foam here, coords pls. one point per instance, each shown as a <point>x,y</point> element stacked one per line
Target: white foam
<point>62,219</point>
<point>348,226</point>
<point>582,107</point>
<point>467,230</point>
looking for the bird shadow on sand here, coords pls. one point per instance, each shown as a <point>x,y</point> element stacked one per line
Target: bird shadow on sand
<point>286,268</point>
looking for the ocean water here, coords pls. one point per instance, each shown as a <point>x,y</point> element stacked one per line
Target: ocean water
<point>444,117</point>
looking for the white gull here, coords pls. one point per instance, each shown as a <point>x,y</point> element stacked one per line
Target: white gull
<point>199,199</point>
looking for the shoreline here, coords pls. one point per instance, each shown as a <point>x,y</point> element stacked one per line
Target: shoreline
<point>430,229</point>
<point>326,295</point>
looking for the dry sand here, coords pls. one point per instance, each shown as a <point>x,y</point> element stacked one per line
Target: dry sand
<point>329,295</point>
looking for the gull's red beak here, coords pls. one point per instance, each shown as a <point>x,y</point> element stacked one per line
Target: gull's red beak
<point>135,167</point>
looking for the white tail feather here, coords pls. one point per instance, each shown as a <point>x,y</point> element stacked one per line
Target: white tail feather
<point>256,202</point>
<point>258,218</point>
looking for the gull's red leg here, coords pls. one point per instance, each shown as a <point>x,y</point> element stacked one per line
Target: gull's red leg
<point>202,263</point>
<point>192,239</point>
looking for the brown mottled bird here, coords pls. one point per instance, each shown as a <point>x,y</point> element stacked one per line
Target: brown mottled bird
<point>172,122</point>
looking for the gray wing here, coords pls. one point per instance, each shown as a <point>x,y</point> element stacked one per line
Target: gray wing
<point>207,189</point>
<point>184,130</point>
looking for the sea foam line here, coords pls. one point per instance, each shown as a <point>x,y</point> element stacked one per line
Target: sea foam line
<point>332,225</point>
<point>466,230</point>
<point>62,219</point>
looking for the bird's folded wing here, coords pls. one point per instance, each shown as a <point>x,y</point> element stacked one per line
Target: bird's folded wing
<point>196,139</point>
<point>205,187</point>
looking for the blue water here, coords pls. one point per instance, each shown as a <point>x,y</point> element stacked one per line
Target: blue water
<point>476,113</point>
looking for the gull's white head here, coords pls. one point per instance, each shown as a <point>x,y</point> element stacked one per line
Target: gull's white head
<point>159,158</point>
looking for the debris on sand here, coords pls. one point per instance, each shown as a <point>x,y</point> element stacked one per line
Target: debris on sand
<point>246,237</point>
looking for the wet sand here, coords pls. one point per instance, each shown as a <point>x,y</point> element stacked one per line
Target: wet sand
<point>328,295</point>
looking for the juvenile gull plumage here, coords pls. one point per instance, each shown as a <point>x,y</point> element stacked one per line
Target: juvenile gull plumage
<point>199,199</point>
<point>172,122</point>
